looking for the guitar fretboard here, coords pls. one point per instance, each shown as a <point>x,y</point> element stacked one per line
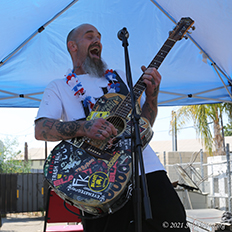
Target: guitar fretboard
<point>125,107</point>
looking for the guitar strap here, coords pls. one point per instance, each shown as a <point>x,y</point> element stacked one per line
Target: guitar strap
<point>123,87</point>
<point>123,90</point>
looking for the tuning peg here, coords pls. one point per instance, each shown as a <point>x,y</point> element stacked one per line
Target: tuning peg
<point>193,28</point>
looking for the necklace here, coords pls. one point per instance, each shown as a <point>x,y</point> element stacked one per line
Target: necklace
<point>79,91</point>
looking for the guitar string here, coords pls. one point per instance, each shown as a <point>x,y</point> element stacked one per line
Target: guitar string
<point>139,86</point>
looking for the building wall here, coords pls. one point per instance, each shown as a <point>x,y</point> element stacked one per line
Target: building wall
<point>37,165</point>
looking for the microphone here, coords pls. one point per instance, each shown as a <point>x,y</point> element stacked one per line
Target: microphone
<point>122,33</point>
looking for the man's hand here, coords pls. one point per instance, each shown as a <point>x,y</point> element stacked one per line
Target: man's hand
<point>152,79</point>
<point>99,129</point>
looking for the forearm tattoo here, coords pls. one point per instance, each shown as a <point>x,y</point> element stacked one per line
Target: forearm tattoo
<point>155,93</point>
<point>149,112</point>
<point>48,123</point>
<point>87,125</point>
<point>63,130</point>
<point>68,129</point>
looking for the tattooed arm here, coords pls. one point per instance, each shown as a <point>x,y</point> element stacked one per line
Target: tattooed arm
<point>152,79</point>
<point>54,130</point>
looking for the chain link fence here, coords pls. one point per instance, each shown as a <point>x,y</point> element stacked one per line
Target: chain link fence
<point>209,179</point>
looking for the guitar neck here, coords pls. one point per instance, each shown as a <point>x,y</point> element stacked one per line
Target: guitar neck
<point>124,109</point>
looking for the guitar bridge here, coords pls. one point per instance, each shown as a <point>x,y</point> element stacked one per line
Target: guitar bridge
<point>96,152</point>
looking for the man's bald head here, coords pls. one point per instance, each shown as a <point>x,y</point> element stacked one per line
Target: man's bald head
<point>76,32</point>
<point>84,46</point>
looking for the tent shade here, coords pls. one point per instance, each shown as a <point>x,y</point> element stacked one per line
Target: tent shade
<point>196,71</point>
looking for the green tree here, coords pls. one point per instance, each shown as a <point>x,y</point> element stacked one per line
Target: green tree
<point>228,126</point>
<point>228,129</point>
<point>203,116</point>
<point>10,161</point>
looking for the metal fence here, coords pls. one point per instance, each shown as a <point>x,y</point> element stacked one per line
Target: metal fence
<point>27,192</point>
<point>212,178</point>
<point>22,193</point>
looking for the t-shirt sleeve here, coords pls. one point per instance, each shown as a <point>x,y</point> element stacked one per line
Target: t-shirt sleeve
<point>51,105</point>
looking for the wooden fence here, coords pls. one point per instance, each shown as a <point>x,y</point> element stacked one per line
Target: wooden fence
<point>22,193</point>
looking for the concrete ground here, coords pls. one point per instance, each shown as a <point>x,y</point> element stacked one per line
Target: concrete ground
<point>24,222</point>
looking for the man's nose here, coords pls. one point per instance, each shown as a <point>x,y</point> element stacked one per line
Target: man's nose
<point>96,40</point>
<point>96,43</point>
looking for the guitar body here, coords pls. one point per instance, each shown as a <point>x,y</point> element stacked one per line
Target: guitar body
<point>90,174</point>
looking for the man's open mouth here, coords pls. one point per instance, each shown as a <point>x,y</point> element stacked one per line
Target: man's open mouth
<point>95,52</point>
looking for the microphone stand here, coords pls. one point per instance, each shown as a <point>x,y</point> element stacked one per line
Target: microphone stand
<point>136,145</point>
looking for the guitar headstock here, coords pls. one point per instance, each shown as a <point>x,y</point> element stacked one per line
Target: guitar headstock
<point>181,29</point>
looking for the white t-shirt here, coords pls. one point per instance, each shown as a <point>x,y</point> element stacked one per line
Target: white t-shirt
<point>59,102</point>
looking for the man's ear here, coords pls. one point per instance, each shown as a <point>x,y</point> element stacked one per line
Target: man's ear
<point>72,46</point>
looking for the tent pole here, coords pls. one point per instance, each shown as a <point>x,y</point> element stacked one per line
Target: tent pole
<point>183,96</point>
<point>15,95</point>
<point>2,62</point>
<point>215,67</point>
<point>214,63</point>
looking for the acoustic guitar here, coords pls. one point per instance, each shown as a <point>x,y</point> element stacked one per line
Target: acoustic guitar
<point>93,175</point>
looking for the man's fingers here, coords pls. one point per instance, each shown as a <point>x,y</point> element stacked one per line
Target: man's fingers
<point>143,68</point>
<point>111,127</point>
<point>102,129</point>
<point>151,75</point>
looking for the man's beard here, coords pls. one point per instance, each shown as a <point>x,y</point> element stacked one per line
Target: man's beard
<point>94,67</point>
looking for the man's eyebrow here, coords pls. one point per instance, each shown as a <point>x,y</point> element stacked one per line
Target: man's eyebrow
<point>91,31</point>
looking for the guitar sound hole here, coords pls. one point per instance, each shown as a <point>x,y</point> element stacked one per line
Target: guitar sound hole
<point>118,123</point>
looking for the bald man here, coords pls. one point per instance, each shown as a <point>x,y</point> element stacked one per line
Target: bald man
<point>62,115</point>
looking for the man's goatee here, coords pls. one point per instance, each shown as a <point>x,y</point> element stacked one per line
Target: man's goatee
<point>94,67</point>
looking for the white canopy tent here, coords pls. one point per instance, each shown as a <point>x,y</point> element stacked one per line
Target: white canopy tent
<point>196,71</point>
